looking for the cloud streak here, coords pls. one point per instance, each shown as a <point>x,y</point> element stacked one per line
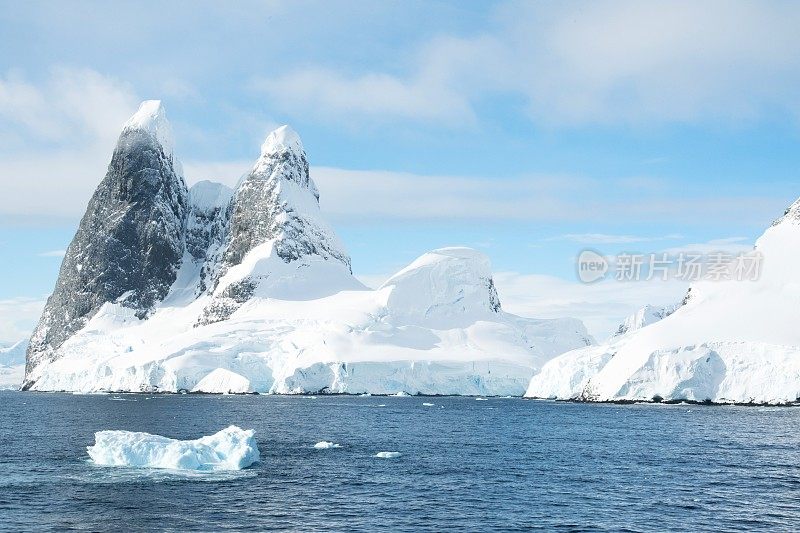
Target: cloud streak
<point>604,238</point>
<point>577,63</point>
<point>53,253</point>
<point>18,317</point>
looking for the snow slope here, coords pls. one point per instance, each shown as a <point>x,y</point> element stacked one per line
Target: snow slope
<point>353,341</point>
<point>263,300</point>
<point>731,341</point>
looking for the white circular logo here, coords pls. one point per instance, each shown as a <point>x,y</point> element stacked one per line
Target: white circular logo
<point>591,266</point>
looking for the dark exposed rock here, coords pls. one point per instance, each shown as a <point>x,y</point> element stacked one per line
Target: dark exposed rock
<point>494,299</point>
<point>232,297</point>
<point>209,206</point>
<point>128,246</point>
<point>277,202</point>
<point>259,212</point>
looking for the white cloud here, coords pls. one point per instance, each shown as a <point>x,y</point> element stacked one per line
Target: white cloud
<point>18,317</point>
<point>404,196</point>
<point>72,107</point>
<point>59,183</point>
<point>575,63</point>
<point>408,196</point>
<point>57,138</point>
<point>728,245</point>
<point>332,94</point>
<point>58,134</point>
<point>53,253</point>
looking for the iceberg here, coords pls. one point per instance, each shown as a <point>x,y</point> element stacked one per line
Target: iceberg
<point>387,455</point>
<point>326,445</point>
<point>232,448</point>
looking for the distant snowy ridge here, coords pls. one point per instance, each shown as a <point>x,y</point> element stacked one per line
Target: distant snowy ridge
<point>12,364</point>
<point>252,291</point>
<point>644,317</point>
<point>731,342</point>
<point>13,354</point>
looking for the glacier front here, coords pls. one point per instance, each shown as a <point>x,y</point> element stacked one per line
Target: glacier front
<point>210,289</point>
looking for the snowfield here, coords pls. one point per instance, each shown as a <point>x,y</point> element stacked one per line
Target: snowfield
<point>352,341</point>
<point>230,449</point>
<point>263,299</point>
<point>731,341</point>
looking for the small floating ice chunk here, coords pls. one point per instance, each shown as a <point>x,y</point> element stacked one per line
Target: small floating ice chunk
<point>387,455</point>
<point>426,404</point>
<point>402,394</point>
<point>230,449</point>
<point>480,399</point>
<point>326,445</point>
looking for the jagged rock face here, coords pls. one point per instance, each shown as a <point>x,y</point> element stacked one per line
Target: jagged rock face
<point>206,226</point>
<point>128,246</point>
<point>277,201</point>
<point>791,214</point>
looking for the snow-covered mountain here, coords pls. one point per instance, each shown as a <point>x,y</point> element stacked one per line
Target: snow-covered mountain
<point>220,290</point>
<point>730,341</point>
<point>130,242</point>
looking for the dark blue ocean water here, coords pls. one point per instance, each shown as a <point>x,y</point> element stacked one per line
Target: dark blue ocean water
<point>501,464</point>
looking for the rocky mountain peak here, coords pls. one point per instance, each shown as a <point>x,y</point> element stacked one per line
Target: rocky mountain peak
<point>282,159</point>
<point>130,241</point>
<point>277,201</point>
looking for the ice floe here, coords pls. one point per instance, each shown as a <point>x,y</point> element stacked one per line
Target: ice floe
<point>232,448</point>
<point>326,445</point>
<point>387,455</point>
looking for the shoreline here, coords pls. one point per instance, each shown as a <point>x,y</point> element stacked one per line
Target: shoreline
<point>707,403</point>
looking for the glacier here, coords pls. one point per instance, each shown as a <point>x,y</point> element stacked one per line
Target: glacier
<point>249,290</point>
<point>232,448</point>
<point>729,341</point>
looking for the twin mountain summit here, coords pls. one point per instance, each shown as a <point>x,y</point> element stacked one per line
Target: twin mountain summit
<point>212,289</point>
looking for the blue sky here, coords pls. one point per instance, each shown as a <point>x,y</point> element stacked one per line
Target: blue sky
<point>527,130</point>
